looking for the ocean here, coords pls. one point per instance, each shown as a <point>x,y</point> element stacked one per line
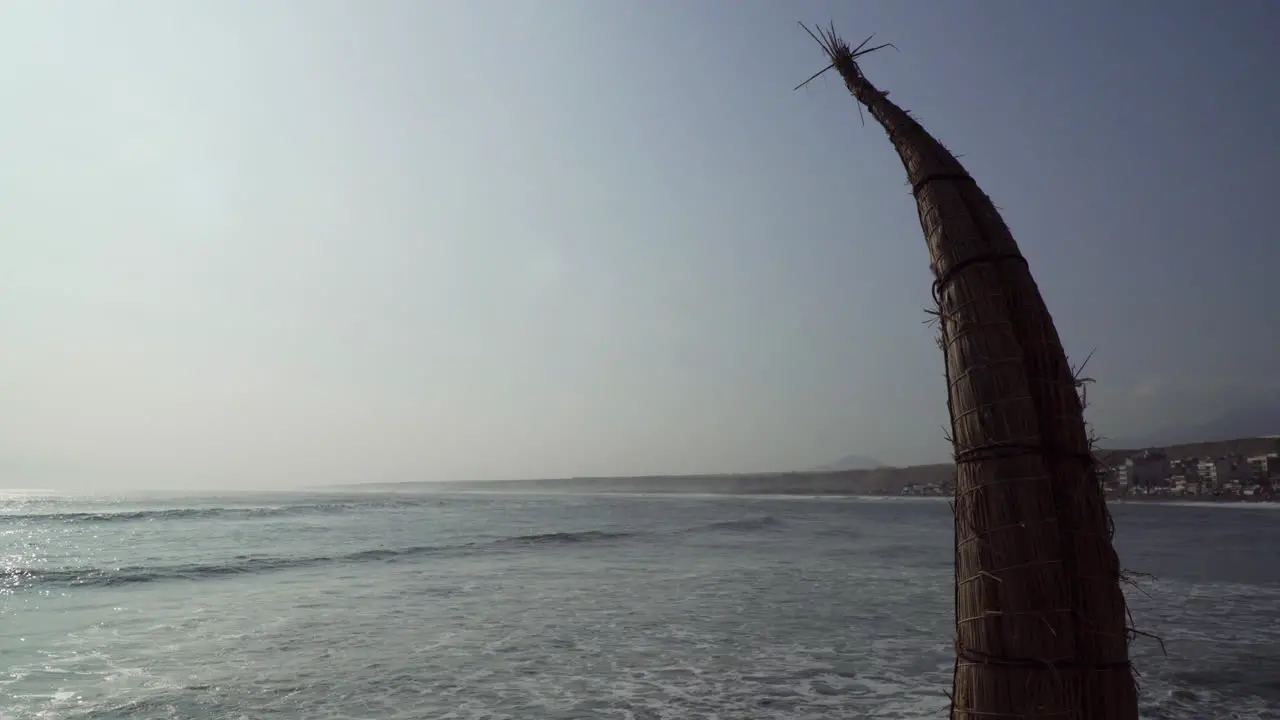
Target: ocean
<point>568,606</point>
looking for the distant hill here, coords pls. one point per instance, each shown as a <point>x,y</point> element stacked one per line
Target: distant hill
<point>1260,418</point>
<point>1240,447</point>
<point>851,462</point>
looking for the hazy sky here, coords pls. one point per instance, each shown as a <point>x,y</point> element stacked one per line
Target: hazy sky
<point>278,243</point>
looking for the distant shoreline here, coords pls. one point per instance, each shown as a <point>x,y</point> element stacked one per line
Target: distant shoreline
<point>1186,500</point>
<point>830,485</point>
<point>881,481</point>
<point>911,481</point>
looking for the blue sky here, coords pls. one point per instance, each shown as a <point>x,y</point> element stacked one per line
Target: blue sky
<point>261,244</point>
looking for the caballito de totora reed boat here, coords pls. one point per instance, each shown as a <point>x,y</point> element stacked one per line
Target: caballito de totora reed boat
<point>1041,623</point>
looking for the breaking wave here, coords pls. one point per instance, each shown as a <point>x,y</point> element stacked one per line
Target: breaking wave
<point>764,522</point>
<point>557,538</point>
<point>12,578</point>
<point>16,577</point>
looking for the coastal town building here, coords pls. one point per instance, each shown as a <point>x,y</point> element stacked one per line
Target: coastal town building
<point>1148,470</point>
<point>1153,474</point>
<point>1264,467</point>
<point>1207,471</point>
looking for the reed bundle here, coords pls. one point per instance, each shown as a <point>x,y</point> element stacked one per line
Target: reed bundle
<point>1041,624</point>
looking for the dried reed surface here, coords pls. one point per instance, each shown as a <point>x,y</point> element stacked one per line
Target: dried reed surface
<point>1041,623</point>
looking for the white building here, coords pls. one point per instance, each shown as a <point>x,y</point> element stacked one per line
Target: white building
<point>1207,471</point>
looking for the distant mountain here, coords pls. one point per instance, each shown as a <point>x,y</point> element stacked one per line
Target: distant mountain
<point>1258,419</point>
<point>851,462</point>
